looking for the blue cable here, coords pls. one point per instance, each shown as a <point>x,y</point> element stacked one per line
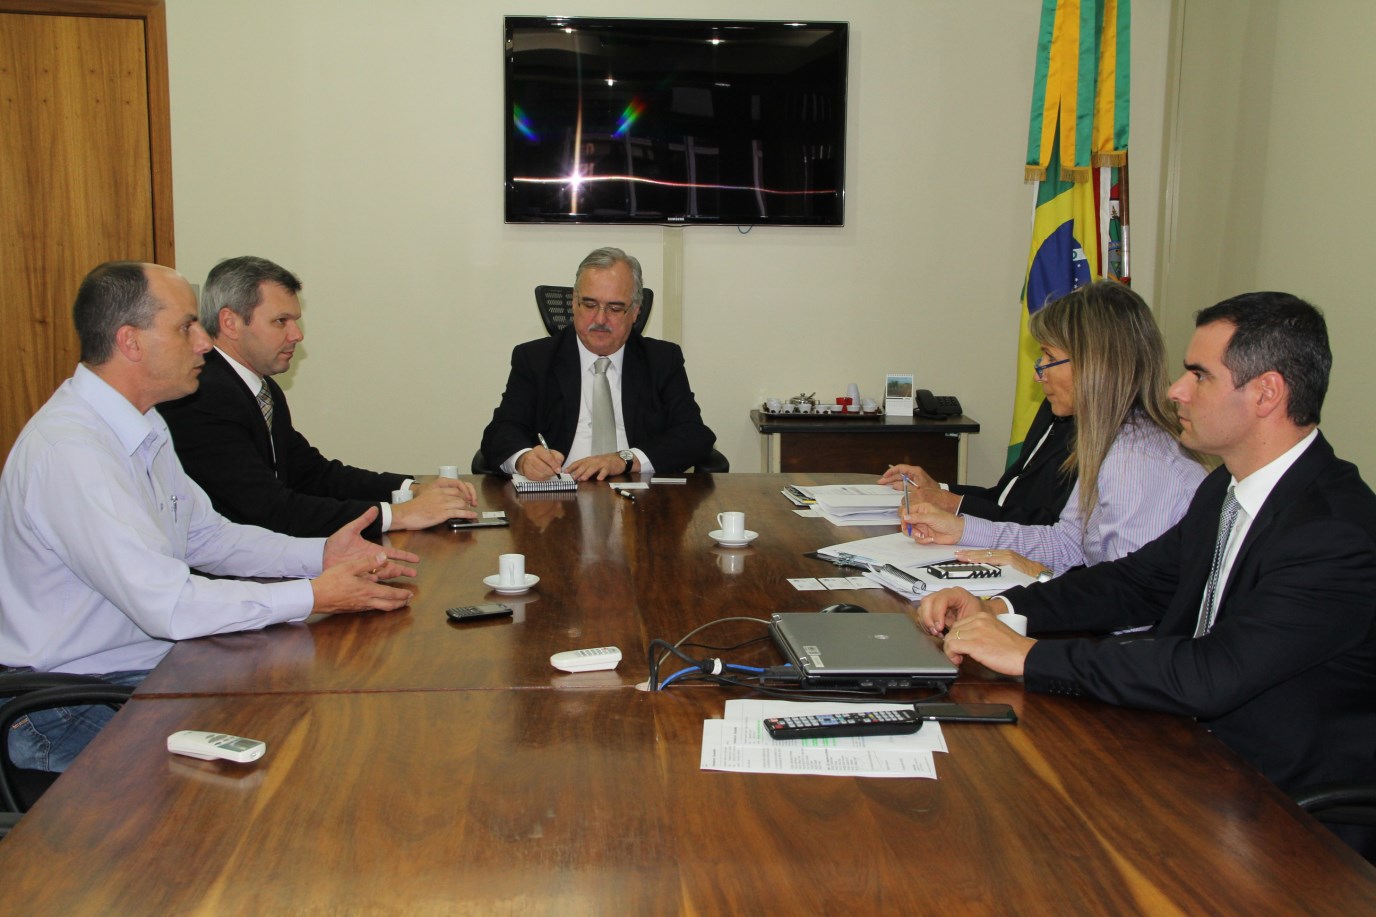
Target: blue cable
<point>727,666</point>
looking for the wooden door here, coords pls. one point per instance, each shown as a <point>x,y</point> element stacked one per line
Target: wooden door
<point>85,174</point>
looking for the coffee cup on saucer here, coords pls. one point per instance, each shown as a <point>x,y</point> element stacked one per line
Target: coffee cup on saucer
<point>511,578</point>
<point>732,532</point>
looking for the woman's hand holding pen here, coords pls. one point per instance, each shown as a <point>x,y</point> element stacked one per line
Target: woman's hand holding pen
<point>932,525</point>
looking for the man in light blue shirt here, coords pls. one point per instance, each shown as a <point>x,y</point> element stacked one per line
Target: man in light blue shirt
<point>100,527</point>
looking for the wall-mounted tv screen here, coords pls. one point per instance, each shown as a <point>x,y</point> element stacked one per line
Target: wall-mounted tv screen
<point>675,121</point>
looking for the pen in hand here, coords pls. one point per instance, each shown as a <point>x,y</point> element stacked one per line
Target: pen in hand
<point>907,508</point>
<point>541,438</point>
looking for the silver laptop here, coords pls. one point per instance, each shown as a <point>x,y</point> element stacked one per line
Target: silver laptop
<point>860,650</point>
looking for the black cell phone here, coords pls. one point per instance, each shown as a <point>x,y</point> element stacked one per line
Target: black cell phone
<point>967,713</point>
<point>495,522</point>
<point>465,613</point>
<point>950,570</point>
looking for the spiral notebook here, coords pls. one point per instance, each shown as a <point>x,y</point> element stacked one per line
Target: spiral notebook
<point>561,481</point>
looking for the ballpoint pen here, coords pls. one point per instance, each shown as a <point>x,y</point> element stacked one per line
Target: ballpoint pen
<point>625,493</point>
<point>907,508</point>
<point>914,583</point>
<point>541,438</point>
<point>842,559</point>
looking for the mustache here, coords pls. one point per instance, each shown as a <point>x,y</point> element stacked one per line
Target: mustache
<point>599,327</point>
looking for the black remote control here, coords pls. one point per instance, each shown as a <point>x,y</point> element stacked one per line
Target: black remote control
<point>841,725</point>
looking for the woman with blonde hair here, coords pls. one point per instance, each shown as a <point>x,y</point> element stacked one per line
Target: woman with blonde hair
<point>1103,360</point>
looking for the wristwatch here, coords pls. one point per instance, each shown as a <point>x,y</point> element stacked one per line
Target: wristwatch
<point>629,456</point>
<point>1046,575</point>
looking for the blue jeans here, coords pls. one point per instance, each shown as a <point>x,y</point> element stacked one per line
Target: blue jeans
<point>48,740</point>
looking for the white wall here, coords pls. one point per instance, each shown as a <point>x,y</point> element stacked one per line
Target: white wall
<point>359,144</point>
<point>1274,192</point>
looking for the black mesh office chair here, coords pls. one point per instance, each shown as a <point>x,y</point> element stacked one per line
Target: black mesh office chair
<point>556,311</point>
<point>27,692</point>
<point>556,308</point>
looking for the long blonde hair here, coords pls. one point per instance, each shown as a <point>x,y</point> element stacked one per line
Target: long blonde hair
<point>1119,361</point>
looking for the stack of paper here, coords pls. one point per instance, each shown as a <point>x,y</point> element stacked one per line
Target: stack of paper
<point>739,743</point>
<point>901,552</point>
<point>855,504</point>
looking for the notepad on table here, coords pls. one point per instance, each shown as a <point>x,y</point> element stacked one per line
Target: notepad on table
<point>561,481</point>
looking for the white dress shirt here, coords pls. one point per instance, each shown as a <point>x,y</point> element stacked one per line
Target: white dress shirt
<point>582,432</point>
<point>99,527</point>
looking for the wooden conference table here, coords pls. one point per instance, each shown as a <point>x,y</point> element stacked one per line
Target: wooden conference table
<point>419,767</point>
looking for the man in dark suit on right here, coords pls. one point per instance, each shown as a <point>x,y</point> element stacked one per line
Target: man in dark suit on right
<point>1261,600</point>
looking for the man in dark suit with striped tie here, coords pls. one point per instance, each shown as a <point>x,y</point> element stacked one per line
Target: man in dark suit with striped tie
<point>235,435</point>
<point>1261,601</point>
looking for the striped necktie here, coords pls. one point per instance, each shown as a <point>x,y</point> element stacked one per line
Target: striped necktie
<point>265,404</point>
<point>1209,609</point>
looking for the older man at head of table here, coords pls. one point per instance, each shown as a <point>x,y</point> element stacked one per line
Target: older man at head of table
<point>554,414</point>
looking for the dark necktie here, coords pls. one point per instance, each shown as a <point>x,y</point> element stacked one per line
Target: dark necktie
<point>265,404</point>
<point>1209,610</point>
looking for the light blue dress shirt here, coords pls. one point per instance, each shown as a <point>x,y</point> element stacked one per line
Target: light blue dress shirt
<point>1146,482</point>
<point>99,530</point>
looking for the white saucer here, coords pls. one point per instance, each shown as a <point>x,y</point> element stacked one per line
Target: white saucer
<point>492,582</point>
<point>717,536</point>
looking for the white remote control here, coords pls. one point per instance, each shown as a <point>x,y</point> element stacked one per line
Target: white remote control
<point>211,745</point>
<point>594,660</point>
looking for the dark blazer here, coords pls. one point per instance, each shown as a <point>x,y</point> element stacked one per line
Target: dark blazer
<point>1287,676</point>
<point>544,392</point>
<point>223,443</point>
<point>1042,487</point>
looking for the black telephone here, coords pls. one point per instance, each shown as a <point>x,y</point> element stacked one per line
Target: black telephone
<point>936,407</point>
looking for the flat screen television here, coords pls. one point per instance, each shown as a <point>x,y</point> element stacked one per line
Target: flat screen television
<point>675,121</point>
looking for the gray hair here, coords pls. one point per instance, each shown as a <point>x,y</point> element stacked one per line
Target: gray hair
<point>112,295</point>
<point>608,257</point>
<point>234,283</point>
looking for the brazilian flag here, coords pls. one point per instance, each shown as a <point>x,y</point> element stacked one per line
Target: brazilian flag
<point>1079,124</point>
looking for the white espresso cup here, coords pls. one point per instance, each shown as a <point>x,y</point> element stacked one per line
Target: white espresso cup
<point>511,569</point>
<point>449,471</point>
<point>732,525</point>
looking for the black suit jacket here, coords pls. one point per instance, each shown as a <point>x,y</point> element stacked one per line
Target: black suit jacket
<point>544,392</point>
<point>1042,487</point>
<point>223,444</point>
<point>1287,676</point>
